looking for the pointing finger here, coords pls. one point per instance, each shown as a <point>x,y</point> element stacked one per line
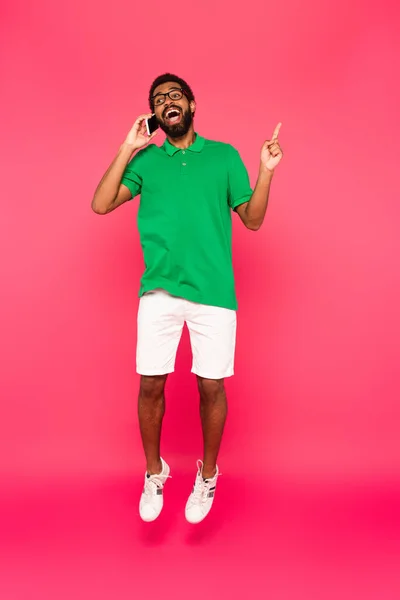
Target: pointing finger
<point>276,132</point>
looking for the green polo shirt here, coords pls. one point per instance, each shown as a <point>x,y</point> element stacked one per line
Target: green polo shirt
<point>184,218</point>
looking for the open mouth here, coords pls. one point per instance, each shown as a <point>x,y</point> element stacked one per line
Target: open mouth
<point>172,116</point>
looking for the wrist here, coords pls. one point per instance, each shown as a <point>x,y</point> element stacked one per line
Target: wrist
<point>265,173</point>
<point>128,148</point>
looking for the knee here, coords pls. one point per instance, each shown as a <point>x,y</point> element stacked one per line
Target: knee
<point>210,389</point>
<point>152,388</point>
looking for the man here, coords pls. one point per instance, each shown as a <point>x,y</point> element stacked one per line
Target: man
<point>188,188</point>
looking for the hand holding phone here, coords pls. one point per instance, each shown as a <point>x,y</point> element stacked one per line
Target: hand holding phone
<point>151,125</point>
<point>137,137</point>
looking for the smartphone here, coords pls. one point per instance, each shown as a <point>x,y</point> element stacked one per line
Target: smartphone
<point>151,125</point>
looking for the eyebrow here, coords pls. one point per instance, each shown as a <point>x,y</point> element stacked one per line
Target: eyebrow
<point>170,90</point>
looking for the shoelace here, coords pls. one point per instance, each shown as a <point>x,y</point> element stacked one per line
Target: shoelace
<point>202,486</point>
<point>200,491</point>
<point>152,484</point>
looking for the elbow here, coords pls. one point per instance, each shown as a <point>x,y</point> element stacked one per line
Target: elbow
<point>253,226</point>
<point>98,209</point>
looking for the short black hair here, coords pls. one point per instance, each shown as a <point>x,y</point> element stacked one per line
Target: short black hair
<point>164,79</point>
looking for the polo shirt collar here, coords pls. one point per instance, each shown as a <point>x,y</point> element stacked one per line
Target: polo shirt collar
<point>197,146</point>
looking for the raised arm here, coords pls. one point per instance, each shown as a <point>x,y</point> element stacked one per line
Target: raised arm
<point>253,212</point>
<point>110,192</point>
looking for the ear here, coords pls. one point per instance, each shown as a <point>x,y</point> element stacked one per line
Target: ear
<point>193,106</point>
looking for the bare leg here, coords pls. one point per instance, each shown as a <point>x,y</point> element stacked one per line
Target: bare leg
<point>213,411</point>
<point>151,412</point>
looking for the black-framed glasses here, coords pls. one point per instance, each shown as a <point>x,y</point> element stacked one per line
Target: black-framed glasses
<point>175,94</point>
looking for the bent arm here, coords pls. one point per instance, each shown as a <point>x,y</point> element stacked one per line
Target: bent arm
<point>252,213</point>
<point>110,193</point>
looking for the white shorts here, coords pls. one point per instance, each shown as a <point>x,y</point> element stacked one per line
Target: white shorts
<point>212,330</point>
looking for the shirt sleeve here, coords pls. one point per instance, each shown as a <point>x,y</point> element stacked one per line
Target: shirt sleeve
<point>239,183</point>
<point>131,177</point>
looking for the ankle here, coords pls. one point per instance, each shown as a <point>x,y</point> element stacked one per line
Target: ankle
<point>154,468</point>
<point>209,471</point>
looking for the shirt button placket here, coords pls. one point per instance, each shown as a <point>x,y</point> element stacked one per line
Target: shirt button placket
<point>184,164</point>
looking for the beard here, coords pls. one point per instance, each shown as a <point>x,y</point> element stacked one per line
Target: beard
<point>179,129</point>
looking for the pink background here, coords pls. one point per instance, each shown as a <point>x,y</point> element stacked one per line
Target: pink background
<point>311,455</point>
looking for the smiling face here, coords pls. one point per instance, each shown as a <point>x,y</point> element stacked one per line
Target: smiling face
<point>174,112</point>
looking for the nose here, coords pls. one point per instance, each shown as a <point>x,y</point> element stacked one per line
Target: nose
<point>167,104</point>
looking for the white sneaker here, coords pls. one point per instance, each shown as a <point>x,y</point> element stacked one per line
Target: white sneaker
<point>202,497</point>
<point>152,500</point>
